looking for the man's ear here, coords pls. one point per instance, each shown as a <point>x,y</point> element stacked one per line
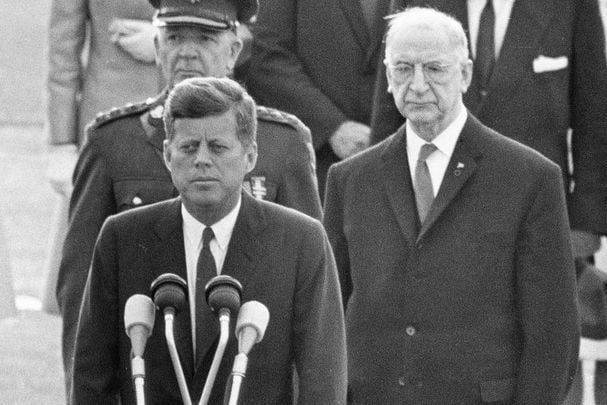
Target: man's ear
<point>467,68</point>
<point>166,154</point>
<point>251,157</point>
<point>389,80</point>
<point>235,48</point>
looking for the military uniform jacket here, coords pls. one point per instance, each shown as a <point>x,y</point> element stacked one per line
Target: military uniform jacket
<point>121,167</point>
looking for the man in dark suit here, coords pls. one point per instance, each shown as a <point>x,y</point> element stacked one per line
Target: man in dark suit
<point>210,147</point>
<point>452,245</point>
<point>317,59</point>
<point>121,164</point>
<point>549,75</point>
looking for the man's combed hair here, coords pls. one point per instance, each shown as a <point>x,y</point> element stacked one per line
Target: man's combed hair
<point>430,17</point>
<point>201,97</point>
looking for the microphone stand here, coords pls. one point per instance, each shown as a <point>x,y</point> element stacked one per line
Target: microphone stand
<point>169,317</point>
<point>238,373</point>
<point>169,292</point>
<point>224,334</point>
<point>138,378</point>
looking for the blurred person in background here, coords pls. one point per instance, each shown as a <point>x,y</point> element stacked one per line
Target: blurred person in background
<point>121,165</point>
<point>100,55</point>
<point>317,59</point>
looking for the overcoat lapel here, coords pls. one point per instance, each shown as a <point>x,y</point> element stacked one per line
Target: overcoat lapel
<point>462,165</point>
<point>396,177</point>
<point>242,259</point>
<point>169,257</point>
<point>356,20</point>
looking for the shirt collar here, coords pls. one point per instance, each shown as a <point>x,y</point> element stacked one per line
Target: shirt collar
<point>444,142</point>
<point>222,229</point>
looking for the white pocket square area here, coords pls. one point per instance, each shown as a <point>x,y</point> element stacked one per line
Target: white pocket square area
<point>548,64</point>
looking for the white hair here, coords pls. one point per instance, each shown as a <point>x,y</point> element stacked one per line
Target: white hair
<point>428,18</point>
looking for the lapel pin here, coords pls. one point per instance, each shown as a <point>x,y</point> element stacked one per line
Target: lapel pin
<point>460,165</point>
<point>157,111</point>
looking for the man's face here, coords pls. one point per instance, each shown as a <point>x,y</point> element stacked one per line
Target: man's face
<point>208,163</point>
<point>427,78</point>
<point>189,51</point>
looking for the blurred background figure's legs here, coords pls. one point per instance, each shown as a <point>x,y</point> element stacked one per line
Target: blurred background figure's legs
<point>7,292</point>
<point>53,255</point>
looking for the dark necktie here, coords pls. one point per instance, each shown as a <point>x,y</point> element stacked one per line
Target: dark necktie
<point>424,194</point>
<point>205,270</point>
<point>485,48</point>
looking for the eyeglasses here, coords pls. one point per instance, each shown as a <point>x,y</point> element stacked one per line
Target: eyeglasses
<point>433,71</point>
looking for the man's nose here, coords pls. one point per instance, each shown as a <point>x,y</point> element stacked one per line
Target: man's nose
<point>188,50</point>
<point>203,157</point>
<point>418,81</point>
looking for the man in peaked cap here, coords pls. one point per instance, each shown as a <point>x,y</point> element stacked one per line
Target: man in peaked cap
<point>121,165</point>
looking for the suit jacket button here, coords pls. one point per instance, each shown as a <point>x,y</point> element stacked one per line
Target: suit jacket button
<point>137,200</point>
<point>410,330</point>
<point>401,381</point>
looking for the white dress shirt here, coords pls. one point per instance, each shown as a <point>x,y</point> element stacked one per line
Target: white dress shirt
<point>192,240</point>
<point>445,143</point>
<point>502,9</point>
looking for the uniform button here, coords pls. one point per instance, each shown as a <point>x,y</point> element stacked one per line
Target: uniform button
<point>137,200</point>
<point>484,93</point>
<point>410,330</point>
<point>401,381</point>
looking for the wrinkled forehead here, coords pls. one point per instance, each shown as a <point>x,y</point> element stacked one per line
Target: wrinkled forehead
<point>420,44</point>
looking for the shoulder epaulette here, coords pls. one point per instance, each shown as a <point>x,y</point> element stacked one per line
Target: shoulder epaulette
<point>274,115</point>
<point>113,114</point>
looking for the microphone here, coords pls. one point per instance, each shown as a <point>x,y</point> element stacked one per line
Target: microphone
<point>139,314</point>
<point>169,293</point>
<point>251,325</point>
<point>223,294</point>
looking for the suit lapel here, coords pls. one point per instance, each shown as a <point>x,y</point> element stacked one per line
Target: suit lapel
<point>528,20</point>
<point>241,260</point>
<point>462,165</point>
<point>169,257</point>
<point>356,20</point>
<point>396,177</point>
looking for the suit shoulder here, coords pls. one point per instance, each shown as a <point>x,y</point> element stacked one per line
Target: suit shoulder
<point>117,113</point>
<point>274,116</point>
<point>147,214</point>
<point>517,153</point>
<point>287,216</point>
<point>364,160</point>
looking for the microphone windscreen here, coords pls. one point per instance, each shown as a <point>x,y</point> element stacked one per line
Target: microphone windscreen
<point>253,314</point>
<point>139,315</point>
<point>169,290</point>
<point>223,291</point>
